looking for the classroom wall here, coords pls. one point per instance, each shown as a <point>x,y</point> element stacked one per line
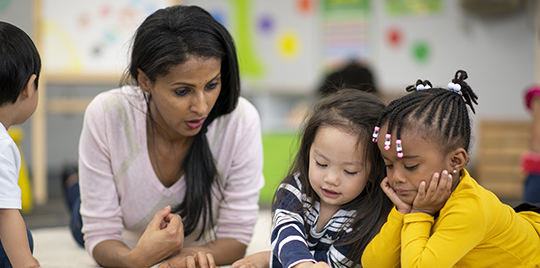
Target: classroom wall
<point>498,54</point>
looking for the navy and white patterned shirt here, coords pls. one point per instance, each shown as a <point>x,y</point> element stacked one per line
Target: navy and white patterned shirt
<point>292,244</point>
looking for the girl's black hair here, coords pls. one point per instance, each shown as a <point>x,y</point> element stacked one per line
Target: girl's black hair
<point>438,112</point>
<point>169,37</point>
<point>19,60</point>
<point>356,112</point>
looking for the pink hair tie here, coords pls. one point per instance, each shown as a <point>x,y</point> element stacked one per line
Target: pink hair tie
<point>376,134</point>
<point>387,142</point>
<point>399,149</point>
<point>530,93</point>
<point>530,163</point>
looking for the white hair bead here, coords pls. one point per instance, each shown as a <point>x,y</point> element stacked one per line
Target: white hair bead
<point>454,87</point>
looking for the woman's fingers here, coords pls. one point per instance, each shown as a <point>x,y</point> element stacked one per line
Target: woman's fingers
<point>159,218</point>
<point>211,261</point>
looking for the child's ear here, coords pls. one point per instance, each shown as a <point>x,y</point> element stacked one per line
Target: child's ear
<point>30,88</point>
<point>143,80</point>
<point>458,158</point>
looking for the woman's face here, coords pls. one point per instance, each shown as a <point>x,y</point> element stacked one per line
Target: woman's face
<point>182,99</point>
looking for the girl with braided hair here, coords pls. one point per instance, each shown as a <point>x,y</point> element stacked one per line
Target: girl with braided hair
<point>442,216</point>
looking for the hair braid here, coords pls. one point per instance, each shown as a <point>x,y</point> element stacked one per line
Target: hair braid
<point>466,90</point>
<point>454,118</point>
<point>426,104</point>
<point>446,103</point>
<point>400,119</point>
<point>434,107</point>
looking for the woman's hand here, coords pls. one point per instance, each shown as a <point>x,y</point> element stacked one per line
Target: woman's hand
<point>223,251</point>
<point>199,260</point>
<point>430,201</point>
<point>163,237</point>
<point>401,206</point>
<point>257,260</point>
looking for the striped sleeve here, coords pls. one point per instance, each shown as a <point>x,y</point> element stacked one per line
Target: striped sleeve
<point>289,246</point>
<point>327,246</point>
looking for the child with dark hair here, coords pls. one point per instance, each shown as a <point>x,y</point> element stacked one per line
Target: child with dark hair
<point>330,205</point>
<point>20,66</point>
<point>443,217</point>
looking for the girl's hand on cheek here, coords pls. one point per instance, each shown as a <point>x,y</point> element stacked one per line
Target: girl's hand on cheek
<point>430,201</point>
<point>401,206</point>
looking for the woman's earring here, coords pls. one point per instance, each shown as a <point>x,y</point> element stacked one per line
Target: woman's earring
<point>454,171</point>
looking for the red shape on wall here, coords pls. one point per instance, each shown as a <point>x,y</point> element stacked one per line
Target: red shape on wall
<point>305,6</point>
<point>394,37</point>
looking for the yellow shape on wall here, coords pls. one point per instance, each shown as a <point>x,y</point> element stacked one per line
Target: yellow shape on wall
<point>288,45</point>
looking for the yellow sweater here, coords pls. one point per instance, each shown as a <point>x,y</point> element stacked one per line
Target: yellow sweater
<point>474,229</point>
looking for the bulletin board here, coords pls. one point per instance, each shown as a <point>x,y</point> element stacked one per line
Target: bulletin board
<point>278,41</point>
<point>90,38</point>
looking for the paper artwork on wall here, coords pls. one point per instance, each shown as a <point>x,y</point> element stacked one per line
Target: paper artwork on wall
<point>90,37</point>
<point>345,31</point>
<point>413,7</point>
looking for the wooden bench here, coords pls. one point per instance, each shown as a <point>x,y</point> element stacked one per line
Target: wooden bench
<point>501,143</point>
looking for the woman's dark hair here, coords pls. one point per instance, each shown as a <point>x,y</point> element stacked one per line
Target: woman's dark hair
<point>439,114</point>
<point>169,37</point>
<point>19,60</point>
<point>355,112</point>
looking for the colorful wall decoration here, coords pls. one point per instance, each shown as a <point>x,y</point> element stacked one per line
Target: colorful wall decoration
<point>345,30</point>
<point>413,7</point>
<point>90,37</point>
<point>278,41</point>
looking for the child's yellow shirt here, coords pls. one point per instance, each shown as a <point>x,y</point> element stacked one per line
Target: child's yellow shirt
<point>473,229</point>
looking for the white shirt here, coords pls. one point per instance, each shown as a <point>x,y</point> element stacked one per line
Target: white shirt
<point>10,165</point>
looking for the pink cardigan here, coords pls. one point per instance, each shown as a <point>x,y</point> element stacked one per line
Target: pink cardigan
<point>120,192</point>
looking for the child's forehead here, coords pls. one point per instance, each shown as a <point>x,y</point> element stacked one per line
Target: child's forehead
<point>325,131</point>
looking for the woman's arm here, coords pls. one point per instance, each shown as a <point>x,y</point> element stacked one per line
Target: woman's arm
<point>239,153</point>
<point>163,237</point>
<point>15,239</point>
<point>222,251</point>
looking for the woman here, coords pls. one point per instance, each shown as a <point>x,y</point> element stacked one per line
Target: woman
<point>178,139</point>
